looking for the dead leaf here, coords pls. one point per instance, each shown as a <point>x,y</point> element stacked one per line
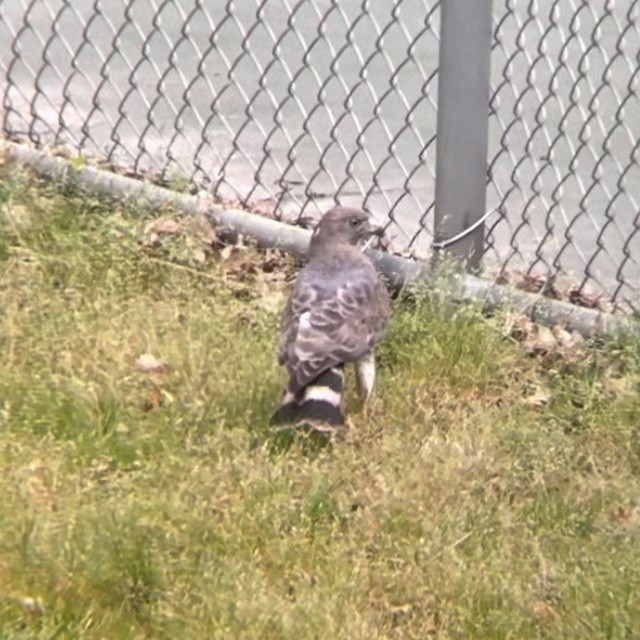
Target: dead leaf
<point>517,326</point>
<point>201,229</point>
<point>199,255</point>
<point>266,207</point>
<point>274,262</point>
<point>622,513</point>
<point>62,151</point>
<point>401,610</point>
<point>531,283</point>
<point>39,495</point>
<point>148,363</point>
<point>154,399</point>
<point>163,225</point>
<point>31,605</point>
<point>539,398</point>
<point>545,612</point>
<point>227,252</point>
<point>540,340</point>
<point>157,228</point>
<point>583,298</point>
<point>621,386</point>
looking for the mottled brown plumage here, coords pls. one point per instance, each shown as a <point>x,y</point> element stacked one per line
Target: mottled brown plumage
<point>337,312</point>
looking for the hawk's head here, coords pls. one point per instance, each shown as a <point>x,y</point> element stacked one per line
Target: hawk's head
<point>344,225</point>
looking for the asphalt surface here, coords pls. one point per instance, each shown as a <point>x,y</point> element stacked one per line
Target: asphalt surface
<point>294,104</point>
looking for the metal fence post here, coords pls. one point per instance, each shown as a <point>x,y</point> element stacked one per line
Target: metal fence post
<point>462,134</point>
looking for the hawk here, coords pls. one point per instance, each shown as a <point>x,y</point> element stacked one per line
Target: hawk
<point>337,313</point>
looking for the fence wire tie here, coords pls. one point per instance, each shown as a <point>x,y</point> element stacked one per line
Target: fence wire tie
<point>465,232</point>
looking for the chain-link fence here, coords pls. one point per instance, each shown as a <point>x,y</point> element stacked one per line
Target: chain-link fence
<point>290,105</point>
<point>565,148</point>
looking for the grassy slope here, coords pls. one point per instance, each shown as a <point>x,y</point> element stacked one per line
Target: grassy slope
<point>159,505</point>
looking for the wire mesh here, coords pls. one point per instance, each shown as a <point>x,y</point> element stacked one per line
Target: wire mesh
<point>288,106</point>
<point>565,139</point>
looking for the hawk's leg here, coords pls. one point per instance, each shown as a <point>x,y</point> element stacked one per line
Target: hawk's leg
<point>366,376</point>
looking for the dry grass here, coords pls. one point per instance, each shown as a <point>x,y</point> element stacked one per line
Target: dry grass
<point>492,494</point>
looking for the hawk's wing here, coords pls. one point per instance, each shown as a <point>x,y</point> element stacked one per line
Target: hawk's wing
<point>326,324</point>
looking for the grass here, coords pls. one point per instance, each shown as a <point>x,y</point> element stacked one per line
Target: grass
<point>491,493</point>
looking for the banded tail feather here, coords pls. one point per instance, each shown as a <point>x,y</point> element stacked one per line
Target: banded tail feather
<point>318,405</point>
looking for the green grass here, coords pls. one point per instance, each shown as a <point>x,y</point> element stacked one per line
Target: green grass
<point>159,505</point>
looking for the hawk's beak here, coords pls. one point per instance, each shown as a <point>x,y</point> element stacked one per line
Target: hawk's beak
<point>375,230</point>
<point>307,222</point>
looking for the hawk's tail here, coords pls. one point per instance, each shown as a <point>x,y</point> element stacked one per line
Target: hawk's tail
<point>319,404</point>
